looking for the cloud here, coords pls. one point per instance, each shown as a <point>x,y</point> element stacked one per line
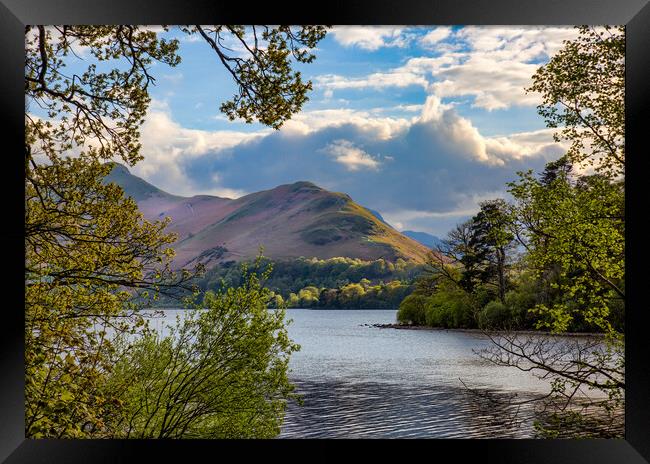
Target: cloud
<point>369,127</point>
<point>491,65</point>
<point>166,145</point>
<point>427,172</point>
<point>396,78</point>
<point>369,37</point>
<point>435,36</point>
<point>173,78</point>
<point>353,158</point>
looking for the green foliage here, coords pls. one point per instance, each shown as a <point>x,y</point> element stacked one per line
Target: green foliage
<point>85,264</point>
<point>328,283</point>
<point>309,296</point>
<point>519,303</point>
<point>413,310</point>
<point>574,230</point>
<point>583,91</point>
<point>450,308</point>
<point>221,373</point>
<point>90,256</point>
<point>268,89</point>
<point>495,315</point>
<point>99,111</point>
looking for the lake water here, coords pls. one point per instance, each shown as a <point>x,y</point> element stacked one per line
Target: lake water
<point>360,381</point>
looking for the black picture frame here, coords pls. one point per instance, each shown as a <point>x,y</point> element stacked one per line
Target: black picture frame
<point>15,14</point>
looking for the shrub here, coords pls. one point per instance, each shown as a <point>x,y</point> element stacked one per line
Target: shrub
<point>412,310</point>
<point>519,302</point>
<point>495,315</point>
<point>222,372</point>
<point>450,308</point>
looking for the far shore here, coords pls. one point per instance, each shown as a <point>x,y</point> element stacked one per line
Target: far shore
<point>422,327</point>
<point>494,332</point>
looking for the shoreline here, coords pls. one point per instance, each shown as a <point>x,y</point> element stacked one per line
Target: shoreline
<point>518,332</point>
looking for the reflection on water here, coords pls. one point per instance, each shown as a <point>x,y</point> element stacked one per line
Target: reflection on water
<point>342,345</point>
<point>362,381</point>
<point>339,409</point>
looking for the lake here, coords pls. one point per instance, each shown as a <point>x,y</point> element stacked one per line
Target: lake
<point>360,381</point>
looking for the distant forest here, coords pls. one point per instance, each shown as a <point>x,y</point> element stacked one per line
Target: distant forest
<point>334,283</point>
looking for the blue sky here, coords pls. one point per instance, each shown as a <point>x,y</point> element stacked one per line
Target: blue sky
<point>418,123</point>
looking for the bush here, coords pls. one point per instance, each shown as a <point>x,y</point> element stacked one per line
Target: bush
<point>440,315</point>
<point>495,315</point>
<point>412,310</point>
<point>519,302</point>
<point>222,372</point>
<point>449,308</point>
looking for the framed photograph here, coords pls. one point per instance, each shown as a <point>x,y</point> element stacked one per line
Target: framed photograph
<point>379,222</point>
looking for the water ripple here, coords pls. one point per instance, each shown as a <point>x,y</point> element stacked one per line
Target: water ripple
<point>338,409</point>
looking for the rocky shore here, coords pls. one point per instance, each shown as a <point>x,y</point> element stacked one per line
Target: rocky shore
<point>520,332</point>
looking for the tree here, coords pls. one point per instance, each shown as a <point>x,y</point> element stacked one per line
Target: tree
<point>583,95</point>
<point>571,223</point>
<point>475,257</point>
<point>309,296</point>
<point>491,236</point>
<point>456,252</point>
<point>221,373</point>
<point>267,89</point>
<point>413,310</point>
<point>89,254</point>
<point>574,233</point>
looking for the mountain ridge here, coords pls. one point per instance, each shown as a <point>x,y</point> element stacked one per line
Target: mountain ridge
<point>289,221</point>
<point>426,239</point>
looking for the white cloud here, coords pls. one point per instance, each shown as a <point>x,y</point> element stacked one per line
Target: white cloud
<point>453,132</point>
<point>436,35</point>
<point>374,127</point>
<point>516,43</point>
<point>173,78</point>
<point>369,37</point>
<point>495,67</point>
<point>166,146</point>
<point>493,84</point>
<point>409,108</point>
<point>396,78</point>
<point>538,143</point>
<point>353,158</point>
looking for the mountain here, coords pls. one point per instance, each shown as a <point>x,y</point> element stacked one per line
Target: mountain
<point>428,240</point>
<point>135,187</point>
<point>289,221</point>
<point>378,216</point>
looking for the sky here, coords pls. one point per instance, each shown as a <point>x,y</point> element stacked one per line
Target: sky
<point>418,123</point>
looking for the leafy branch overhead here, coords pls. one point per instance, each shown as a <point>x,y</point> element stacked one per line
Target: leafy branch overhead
<point>99,112</point>
<point>268,89</point>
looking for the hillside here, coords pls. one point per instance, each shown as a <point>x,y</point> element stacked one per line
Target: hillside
<point>289,221</point>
